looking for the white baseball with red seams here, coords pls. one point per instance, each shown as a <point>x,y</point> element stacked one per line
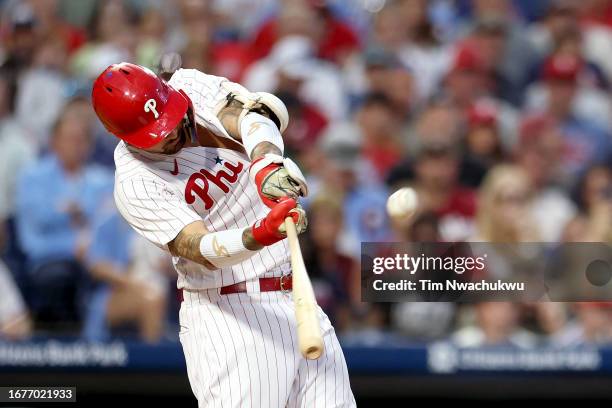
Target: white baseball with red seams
<point>241,349</point>
<point>403,203</point>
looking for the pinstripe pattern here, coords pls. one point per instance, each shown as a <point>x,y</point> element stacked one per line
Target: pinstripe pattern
<point>206,93</point>
<point>241,351</point>
<point>152,200</point>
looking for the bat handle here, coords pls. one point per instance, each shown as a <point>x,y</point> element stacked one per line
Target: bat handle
<point>290,229</point>
<point>309,331</point>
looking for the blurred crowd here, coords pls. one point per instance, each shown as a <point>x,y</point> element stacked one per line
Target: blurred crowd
<point>497,112</point>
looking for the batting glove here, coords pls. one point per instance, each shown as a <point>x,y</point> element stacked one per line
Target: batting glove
<point>277,178</point>
<point>271,229</point>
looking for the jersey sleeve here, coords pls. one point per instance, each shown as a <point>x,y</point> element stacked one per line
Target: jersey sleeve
<point>207,93</point>
<point>153,209</point>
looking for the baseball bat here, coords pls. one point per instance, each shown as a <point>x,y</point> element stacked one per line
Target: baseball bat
<point>310,340</point>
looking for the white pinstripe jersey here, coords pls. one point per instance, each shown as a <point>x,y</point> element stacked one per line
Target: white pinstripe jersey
<point>159,194</point>
<point>206,92</point>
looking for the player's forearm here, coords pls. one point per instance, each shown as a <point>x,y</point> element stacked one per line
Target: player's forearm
<point>221,250</point>
<point>249,240</point>
<point>264,148</point>
<point>229,118</point>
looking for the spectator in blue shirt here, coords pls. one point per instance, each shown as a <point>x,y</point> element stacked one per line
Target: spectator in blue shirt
<point>131,287</point>
<point>57,198</point>
<point>344,173</point>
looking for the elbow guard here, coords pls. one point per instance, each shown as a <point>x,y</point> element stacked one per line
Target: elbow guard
<point>263,103</point>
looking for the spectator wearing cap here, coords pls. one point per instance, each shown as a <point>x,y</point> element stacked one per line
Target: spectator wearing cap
<point>591,100</point>
<point>561,33</point>
<point>539,154</point>
<point>468,77</point>
<point>573,20</point>
<point>483,147</point>
<point>560,75</point>
<point>469,80</point>
<point>585,141</point>
<point>591,76</point>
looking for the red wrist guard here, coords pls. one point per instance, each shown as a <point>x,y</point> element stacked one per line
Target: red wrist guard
<point>266,231</point>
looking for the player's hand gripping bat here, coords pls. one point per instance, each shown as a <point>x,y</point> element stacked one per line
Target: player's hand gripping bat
<point>310,339</point>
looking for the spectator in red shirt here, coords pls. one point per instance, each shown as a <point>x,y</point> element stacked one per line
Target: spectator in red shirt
<point>380,129</point>
<point>335,38</point>
<point>437,184</point>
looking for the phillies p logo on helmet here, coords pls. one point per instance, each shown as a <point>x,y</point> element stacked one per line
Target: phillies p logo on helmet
<point>125,95</point>
<point>150,106</point>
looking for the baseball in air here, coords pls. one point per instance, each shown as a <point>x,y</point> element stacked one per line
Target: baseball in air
<point>403,203</point>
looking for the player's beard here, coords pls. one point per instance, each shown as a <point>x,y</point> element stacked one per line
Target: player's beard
<point>178,144</point>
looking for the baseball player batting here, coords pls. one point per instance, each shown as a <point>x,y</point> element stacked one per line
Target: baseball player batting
<point>200,172</point>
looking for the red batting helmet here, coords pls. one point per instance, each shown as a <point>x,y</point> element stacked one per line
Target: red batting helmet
<point>136,105</point>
